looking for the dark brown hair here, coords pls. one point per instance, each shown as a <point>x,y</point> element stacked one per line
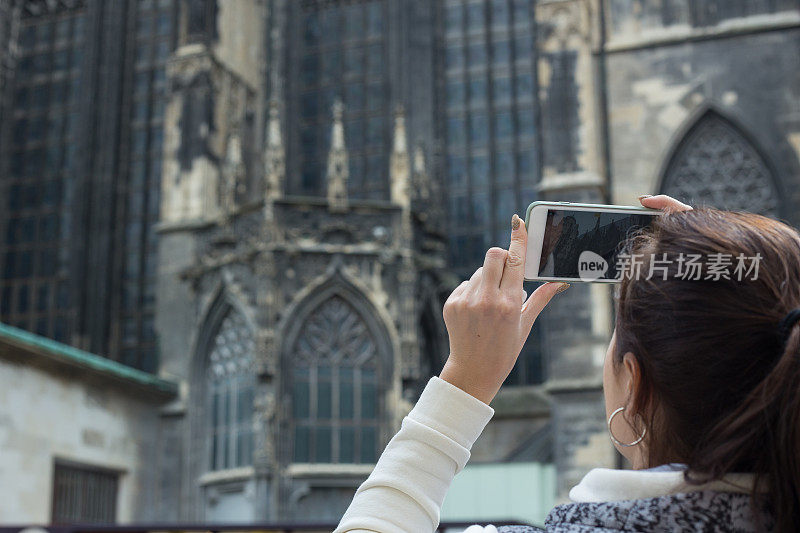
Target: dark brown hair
<point>719,389</point>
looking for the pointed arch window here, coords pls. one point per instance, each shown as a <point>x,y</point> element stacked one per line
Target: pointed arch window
<point>231,385</point>
<point>335,398</point>
<point>715,164</point>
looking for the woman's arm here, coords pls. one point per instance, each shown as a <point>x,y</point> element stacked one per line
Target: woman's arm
<point>405,492</point>
<point>488,320</point>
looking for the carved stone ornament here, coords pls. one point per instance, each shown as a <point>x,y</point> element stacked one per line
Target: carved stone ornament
<point>421,180</point>
<point>274,155</point>
<point>233,348</point>
<point>322,226</point>
<point>265,409</point>
<point>233,175</point>
<point>338,167</point>
<point>336,334</point>
<point>399,168</point>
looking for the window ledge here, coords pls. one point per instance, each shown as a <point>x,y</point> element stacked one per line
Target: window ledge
<point>223,476</point>
<point>300,470</point>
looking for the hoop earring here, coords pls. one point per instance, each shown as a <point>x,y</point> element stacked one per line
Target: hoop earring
<point>611,433</point>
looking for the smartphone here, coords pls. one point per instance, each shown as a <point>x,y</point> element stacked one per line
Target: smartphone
<point>576,242</point>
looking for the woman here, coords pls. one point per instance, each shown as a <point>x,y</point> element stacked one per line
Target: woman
<point>701,383</point>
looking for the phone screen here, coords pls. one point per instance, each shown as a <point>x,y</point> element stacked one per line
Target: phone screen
<point>585,244</point>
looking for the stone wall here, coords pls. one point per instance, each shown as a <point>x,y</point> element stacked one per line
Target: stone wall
<point>47,416</point>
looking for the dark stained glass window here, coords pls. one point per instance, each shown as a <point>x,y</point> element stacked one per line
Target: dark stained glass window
<point>344,56</point>
<point>154,39</point>
<point>231,388</point>
<point>334,388</point>
<point>46,167</point>
<point>495,81</point>
<point>489,125</point>
<point>39,170</point>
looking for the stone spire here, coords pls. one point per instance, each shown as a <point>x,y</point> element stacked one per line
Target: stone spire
<point>421,179</point>
<point>232,176</point>
<point>427,192</point>
<point>338,168</point>
<point>399,167</point>
<point>274,155</point>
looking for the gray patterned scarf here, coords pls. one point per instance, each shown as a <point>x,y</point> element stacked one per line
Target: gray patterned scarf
<point>691,511</point>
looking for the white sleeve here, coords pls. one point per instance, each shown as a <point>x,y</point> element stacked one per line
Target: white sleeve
<point>406,489</point>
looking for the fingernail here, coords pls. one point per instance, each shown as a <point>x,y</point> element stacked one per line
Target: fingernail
<point>644,196</point>
<point>562,288</point>
<point>515,220</point>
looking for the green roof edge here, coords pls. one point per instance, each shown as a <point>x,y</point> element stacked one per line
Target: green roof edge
<point>87,359</point>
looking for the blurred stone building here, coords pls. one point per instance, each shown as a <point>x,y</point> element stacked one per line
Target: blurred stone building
<point>268,202</point>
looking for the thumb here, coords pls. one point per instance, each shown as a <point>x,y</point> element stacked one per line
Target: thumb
<point>539,300</point>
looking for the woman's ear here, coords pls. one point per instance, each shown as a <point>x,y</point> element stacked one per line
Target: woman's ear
<point>632,375</point>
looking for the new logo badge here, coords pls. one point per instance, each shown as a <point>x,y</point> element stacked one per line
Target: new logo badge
<point>591,266</point>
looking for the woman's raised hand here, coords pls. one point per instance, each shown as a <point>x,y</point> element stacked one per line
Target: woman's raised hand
<point>488,318</point>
